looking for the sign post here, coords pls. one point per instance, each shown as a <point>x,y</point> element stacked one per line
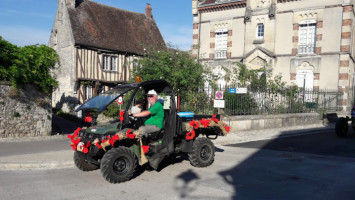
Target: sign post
<point>119,101</point>
<point>218,102</point>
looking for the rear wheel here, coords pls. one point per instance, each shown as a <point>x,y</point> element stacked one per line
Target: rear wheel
<point>202,154</point>
<point>118,165</point>
<point>341,127</point>
<point>82,164</point>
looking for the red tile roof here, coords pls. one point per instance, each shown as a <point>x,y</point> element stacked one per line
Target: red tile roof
<point>105,27</point>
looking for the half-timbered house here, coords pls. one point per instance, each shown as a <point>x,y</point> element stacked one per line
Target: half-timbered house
<point>97,45</point>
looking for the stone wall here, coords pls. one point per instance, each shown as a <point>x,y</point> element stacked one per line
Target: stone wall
<point>259,122</point>
<point>24,112</point>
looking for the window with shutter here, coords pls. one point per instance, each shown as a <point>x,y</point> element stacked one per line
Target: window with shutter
<point>221,42</point>
<point>307,37</point>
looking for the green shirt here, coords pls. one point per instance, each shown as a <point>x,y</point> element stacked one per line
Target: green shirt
<point>157,115</point>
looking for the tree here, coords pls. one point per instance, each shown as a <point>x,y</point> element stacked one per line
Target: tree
<point>179,68</point>
<point>28,65</point>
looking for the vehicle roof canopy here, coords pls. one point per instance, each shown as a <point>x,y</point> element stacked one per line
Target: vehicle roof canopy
<point>101,101</point>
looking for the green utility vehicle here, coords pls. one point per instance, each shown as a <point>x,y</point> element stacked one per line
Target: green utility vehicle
<point>117,151</point>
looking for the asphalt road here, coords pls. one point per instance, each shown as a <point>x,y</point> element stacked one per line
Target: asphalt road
<point>324,143</point>
<point>312,166</point>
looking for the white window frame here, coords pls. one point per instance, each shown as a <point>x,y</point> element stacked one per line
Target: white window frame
<point>114,61</point>
<point>88,92</point>
<point>260,31</point>
<point>221,43</point>
<point>307,37</point>
<point>106,62</point>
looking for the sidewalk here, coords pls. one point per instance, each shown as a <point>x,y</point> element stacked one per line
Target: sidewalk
<point>64,158</point>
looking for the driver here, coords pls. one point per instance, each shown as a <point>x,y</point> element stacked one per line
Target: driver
<point>155,121</point>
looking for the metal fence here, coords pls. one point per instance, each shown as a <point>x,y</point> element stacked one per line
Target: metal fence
<point>261,101</point>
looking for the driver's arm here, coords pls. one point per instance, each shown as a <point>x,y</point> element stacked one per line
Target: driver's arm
<point>142,114</point>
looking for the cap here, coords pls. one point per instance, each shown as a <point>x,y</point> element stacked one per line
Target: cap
<point>152,92</point>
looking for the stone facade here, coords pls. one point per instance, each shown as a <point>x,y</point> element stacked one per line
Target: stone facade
<point>24,113</point>
<point>306,41</point>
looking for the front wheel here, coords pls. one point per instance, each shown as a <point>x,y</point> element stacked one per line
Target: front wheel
<point>202,154</point>
<point>341,127</point>
<point>82,164</point>
<point>118,165</point>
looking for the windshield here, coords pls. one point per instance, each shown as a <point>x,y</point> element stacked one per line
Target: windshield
<point>100,102</point>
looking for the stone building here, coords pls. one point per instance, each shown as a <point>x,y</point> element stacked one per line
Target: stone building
<point>97,46</point>
<point>309,42</point>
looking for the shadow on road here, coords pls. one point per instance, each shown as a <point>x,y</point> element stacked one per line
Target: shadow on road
<point>314,165</point>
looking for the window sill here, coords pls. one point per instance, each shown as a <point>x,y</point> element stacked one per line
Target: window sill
<point>306,54</point>
<point>258,41</point>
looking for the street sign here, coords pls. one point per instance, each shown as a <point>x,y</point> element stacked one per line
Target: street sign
<point>232,90</point>
<point>219,95</point>
<point>241,90</point>
<point>119,100</point>
<point>218,103</point>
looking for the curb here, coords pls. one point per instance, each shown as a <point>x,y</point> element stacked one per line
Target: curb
<point>32,166</point>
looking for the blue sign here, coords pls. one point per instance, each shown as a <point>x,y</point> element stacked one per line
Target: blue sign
<point>233,90</point>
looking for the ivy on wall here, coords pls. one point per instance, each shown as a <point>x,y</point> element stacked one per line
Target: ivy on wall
<point>28,65</point>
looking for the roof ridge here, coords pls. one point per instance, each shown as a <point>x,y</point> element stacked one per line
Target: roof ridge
<point>129,11</point>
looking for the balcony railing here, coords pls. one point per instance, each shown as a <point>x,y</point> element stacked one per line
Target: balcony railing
<point>220,54</point>
<point>306,49</point>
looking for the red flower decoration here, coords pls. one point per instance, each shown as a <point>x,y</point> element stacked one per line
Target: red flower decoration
<point>108,138</point>
<point>130,135</point>
<point>74,143</point>
<point>98,145</point>
<point>194,124</point>
<point>85,148</point>
<point>190,135</point>
<point>145,148</point>
<point>121,115</point>
<point>227,128</point>
<point>205,122</point>
<point>214,118</point>
<point>114,139</point>
<point>88,119</point>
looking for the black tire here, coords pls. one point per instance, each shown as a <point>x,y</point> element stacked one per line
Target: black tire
<point>82,164</point>
<point>202,154</point>
<point>118,165</point>
<point>341,127</point>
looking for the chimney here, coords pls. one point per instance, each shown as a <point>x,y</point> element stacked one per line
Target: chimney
<point>148,11</point>
<point>73,3</point>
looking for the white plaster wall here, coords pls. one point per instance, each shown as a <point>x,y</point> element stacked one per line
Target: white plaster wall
<point>283,34</point>
<point>205,41</point>
<point>238,28</point>
<point>332,28</point>
<point>329,72</point>
<point>306,4</point>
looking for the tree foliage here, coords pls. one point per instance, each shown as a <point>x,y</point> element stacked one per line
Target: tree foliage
<point>28,65</point>
<point>178,68</point>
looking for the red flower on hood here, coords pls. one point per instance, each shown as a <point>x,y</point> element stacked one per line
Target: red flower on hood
<point>130,135</point>
<point>114,139</point>
<point>190,135</point>
<point>85,148</point>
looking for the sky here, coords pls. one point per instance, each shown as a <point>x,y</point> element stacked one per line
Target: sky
<point>29,22</point>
